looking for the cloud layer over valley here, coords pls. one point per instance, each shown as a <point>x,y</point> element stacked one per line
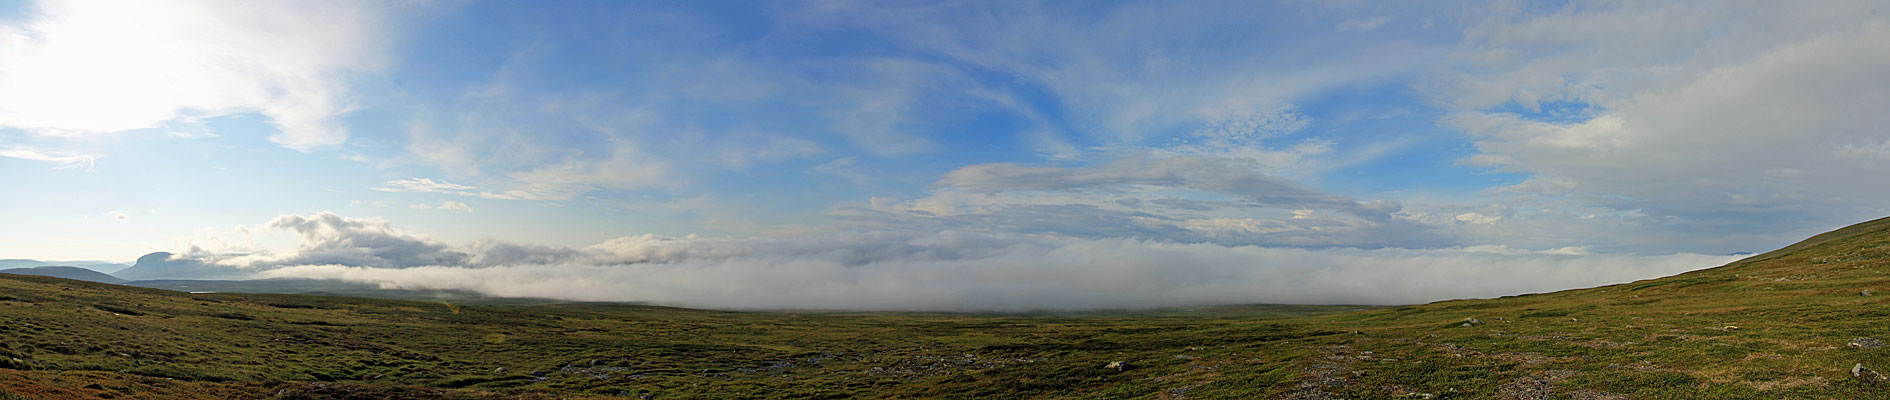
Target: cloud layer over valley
<point>949,271</point>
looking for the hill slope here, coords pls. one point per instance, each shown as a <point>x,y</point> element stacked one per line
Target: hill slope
<point>65,272</point>
<point>1776,325</point>
<point>102,267</point>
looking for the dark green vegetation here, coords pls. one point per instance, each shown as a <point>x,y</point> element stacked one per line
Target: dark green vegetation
<point>1777,325</point>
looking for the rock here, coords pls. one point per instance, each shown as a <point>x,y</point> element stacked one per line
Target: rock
<point>499,370</point>
<point>1861,372</point>
<point>1469,322</point>
<point>1867,343</point>
<point>1117,365</point>
<point>1865,293</point>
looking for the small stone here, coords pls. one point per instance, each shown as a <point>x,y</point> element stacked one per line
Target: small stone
<point>1867,343</point>
<point>1861,372</point>
<point>1865,293</point>
<point>499,370</point>
<point>1117,365</point>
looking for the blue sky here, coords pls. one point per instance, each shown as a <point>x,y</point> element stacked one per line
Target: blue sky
<point>1598,128</point>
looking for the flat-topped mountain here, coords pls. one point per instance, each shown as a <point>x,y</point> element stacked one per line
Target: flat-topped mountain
<point>162,265</point>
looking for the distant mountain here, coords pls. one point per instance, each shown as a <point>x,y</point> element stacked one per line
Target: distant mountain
<point>65,272</point>
<point>161,265</point>
<point>99,266</point>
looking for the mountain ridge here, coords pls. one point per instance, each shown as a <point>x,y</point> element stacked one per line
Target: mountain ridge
<point>67,272</point>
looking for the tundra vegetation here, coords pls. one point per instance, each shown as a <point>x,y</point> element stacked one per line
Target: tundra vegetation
<point>1805,321</point>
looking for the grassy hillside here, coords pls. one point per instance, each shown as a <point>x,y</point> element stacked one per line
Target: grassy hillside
<point>1777,325</point>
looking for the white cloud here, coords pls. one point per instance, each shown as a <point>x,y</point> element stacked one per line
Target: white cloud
<point>544,186</point>
<point>455,206</point>
<point>106,66</point>
<point>65,160</point>
<point>424,185</point>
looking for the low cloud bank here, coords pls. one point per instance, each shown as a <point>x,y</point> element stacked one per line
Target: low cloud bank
<point>958,271</point>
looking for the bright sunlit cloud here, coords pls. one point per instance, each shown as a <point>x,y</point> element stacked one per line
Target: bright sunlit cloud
<point>79,67</point>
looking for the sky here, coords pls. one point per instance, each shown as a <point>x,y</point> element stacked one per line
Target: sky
<point>1004,155</point>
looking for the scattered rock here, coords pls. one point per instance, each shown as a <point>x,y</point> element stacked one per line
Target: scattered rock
<point>1538,386</point>
<point>1867,343</point>
<point>1860,371</point>
<point>1117,365</point>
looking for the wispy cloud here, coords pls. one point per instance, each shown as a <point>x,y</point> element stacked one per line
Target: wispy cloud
<point>424,185</point>
<point>64,160</point>
<point>552,190</point>
<point>1693,127</point>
